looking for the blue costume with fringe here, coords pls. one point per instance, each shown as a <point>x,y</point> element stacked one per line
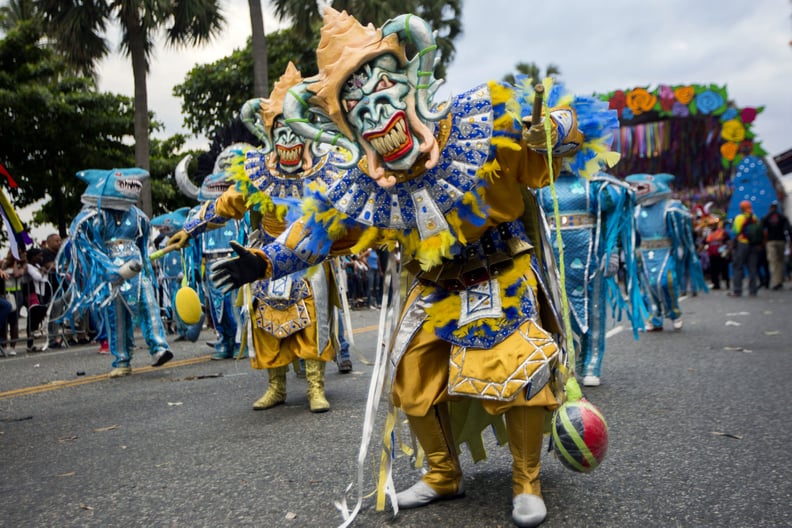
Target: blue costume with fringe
<point>211,245</point>
<point>666,249</point>
<point>596,224</point>
<point>107,233</point>
<point>172,274</point>
<point>208,248</point>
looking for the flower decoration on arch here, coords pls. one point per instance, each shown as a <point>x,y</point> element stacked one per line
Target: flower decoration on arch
<point>644,104</point>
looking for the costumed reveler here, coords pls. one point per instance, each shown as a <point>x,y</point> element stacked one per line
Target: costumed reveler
<point>291,315</point>
<point>666,250</point>
<point>214,244</point>
<point>596,220</point>
<point>172,275</point>
<point>107,263</point>
<point>448,185</point>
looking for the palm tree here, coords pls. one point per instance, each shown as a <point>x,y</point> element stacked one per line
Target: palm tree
<point>259,48</point>
<point>532,70</point>
<point>78,26</point>
<point>16,11</point>
<point>303,14</point>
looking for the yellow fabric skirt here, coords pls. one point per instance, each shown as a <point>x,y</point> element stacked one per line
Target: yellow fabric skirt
<point>269,351</point>
<point>422,376</point>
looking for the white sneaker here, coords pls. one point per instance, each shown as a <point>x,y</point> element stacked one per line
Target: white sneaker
<point>591,381</point>
<point>677,323</point>
<point>161,357</point>
<point>10,352</point>
<point>529,510</point>
<point>421,494</point>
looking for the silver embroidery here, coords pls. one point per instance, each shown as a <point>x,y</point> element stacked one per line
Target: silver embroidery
<point>321,296</point>
<point>280,288</point>
<point>480,301</point>
<point>428,217</point>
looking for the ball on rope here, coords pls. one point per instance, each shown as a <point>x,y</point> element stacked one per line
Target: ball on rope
<point>580,435</point>
<point>188,305</point>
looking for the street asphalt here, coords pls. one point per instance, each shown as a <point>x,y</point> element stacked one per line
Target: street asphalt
<point>699,433</point>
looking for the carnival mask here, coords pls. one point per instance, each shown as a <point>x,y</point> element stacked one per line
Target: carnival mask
<point>169,223</point>
<point>216,183</point>
<point>116,189</point>
<point>650,188</point>
<point>377,102</point>
<point>289,147</point>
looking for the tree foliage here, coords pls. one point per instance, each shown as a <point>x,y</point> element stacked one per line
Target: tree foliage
<point>213,93</point>
<point>78,29</point>
<point>532,70</point>
<point>55,125</point>
<point>16,11</point>
<point>165,155</point>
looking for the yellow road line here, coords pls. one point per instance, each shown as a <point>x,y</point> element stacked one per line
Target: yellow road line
<point>365,329</point>
<point>62,384</point>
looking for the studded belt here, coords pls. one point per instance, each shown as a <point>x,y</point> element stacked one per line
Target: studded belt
<point>573,221</point>
<point>655,243</point>
<point>479,260</point>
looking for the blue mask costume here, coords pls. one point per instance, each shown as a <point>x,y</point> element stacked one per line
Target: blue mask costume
<point>171,274</point>
<point>597,224</point>
<point>214,244</point>
<point>667,250</point>
<point>106,260</point>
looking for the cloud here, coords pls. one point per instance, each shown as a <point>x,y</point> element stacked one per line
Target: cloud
<point>599,46</point>
<point>606,45</point>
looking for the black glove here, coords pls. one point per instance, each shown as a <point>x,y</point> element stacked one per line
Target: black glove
<point>232,272</point>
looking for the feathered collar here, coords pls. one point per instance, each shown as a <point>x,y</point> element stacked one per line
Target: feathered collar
<point>266,189</point>
<point>424,210</point>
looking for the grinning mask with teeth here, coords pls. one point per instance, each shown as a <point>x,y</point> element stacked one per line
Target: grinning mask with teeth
<point>117,189</point>
<point>377,101</point>
<point>287,152</point>
<point>289,147</point>
<point>650,188</point>
<point>378,104</point>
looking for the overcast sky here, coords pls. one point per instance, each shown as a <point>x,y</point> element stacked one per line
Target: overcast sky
<point>599,46</point>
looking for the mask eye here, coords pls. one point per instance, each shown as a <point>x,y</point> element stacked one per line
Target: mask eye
<point>383,84</point>
<point>349,104</point>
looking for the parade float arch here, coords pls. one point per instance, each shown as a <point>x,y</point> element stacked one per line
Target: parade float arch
<point>693,131</point>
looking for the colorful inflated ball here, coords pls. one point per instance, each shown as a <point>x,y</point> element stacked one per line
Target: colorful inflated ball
<point>580,435</point>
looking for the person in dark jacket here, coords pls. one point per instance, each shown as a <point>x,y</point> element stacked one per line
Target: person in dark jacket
<point>777,234</point>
